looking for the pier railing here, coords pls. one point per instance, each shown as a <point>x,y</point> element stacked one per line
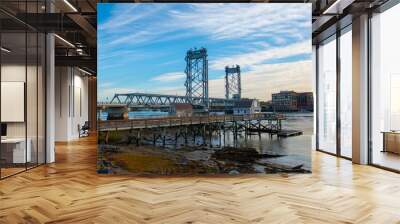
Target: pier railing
<point>179,121</point>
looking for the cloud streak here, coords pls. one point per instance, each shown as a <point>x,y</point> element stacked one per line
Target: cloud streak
<point>124,15</point>
<point>213,20</point>
<point>168,77</point>
<point>258,57</point>
<point>267,79</point>
<point>218,22</point>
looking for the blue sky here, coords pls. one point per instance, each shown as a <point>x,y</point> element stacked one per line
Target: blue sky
<point>142,47</point>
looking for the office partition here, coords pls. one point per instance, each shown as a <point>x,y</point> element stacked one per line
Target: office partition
<point>22,77</point>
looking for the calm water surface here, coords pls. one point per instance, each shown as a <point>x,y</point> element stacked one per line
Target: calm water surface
<point>297,148</point>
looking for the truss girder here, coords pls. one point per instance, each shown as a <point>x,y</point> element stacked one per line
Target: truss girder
<point>147,99</point>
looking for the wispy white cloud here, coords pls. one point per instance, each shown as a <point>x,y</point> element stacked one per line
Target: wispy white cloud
<point>107,93</point>
<point>266,79</point>
<point>168,77</point>
<point>120,58</point>
<point>124,14</point>
<point>172,90</point>
<point>259,56</point>
<point>214,20</point>
<point>249,19</point>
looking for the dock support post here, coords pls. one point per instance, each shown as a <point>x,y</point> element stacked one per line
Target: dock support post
<point>186,133</point>
<point>163,133</point>
<point>138,137</point>
<point>235,135</point>
<point>107,137</point>
<point>219,137</point>
<point>224,137</point>
<point>176,138</point>
<point>246,130</point>
<point>194,132</point>
<point>210,136</point>
<point>204,134</point>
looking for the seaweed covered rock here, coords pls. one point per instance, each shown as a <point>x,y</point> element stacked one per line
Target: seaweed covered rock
<point>242,155</point>
<point>279,168</point>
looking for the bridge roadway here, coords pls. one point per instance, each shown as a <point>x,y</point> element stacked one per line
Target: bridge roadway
<point>112,125</point>
<point>147,99</point>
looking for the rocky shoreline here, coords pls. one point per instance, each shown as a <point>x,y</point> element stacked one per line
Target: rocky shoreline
<point>150,160</point>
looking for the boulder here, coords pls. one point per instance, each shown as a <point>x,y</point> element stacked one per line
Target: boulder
<point>242,155</point>
<point>234,172</point>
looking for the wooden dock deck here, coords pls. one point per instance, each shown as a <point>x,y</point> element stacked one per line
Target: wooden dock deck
<point>112,125</point>
<point>289,133</point>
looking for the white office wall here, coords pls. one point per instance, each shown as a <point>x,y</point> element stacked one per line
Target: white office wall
<point>62,82</point>
<point>71,102</point>
<point>80,104</point>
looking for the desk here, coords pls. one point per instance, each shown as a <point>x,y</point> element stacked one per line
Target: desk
<point>15,148</point>
<point>391,141</point>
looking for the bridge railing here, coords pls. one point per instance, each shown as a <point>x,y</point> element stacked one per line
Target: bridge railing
<point>174,121</point>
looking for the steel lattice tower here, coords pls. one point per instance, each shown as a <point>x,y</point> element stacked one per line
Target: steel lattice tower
<point>233,89</point>
<point>197,75</point>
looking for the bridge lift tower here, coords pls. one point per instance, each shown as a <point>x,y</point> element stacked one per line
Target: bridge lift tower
<point>233,89</point>
<point>197,76</point>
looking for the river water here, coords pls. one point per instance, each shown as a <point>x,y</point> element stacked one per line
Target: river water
<point>296,148</point>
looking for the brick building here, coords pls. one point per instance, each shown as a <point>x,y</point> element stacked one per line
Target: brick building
<point>291,101</point>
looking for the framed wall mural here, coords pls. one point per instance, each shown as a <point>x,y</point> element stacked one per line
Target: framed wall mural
<point>204,89</point>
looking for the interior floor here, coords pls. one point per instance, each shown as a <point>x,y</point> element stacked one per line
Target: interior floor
<point>5,172</point>
<point>70,191</point>
<point>11,169</point>
<point>387,159</point>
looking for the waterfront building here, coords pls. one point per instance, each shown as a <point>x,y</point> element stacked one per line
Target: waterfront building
<point>285,101</point>
<point>290,101</point>
<point>246,106</point>
<point>181,109</point>
<point>266,106</point>
<point>305,101</point>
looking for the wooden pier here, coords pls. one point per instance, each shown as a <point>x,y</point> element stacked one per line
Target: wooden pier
<point>253,119</point>
<point>188,128</point>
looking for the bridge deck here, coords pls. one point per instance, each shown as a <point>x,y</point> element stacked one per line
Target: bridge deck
<point>111,125</point>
